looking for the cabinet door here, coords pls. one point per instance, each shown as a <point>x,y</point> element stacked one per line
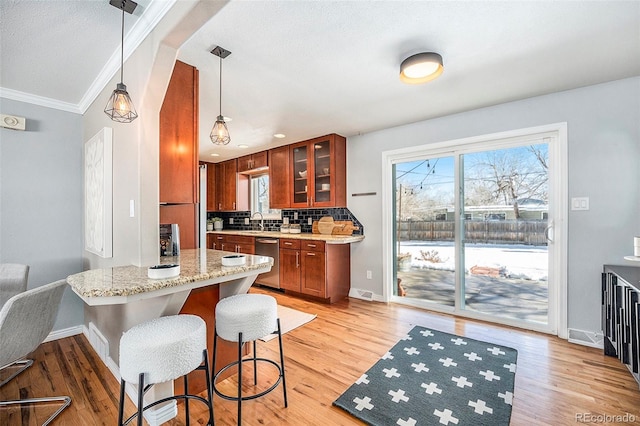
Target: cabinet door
<point>244,163</point>
<point>259,160</point>
<point>229,188</point>
<point>329,178</point>
<point>313,281</point>
<point>185,216</point>
<point>219,172</point>
<point>279,192</point>
<point>212,200</point>
<point>178,132</point>
<point>290,269</point>
<point>300,175</point>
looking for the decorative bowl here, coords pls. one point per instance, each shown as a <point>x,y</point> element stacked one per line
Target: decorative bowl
<point>234,260</point>
<point>303,174</point>
<point>159,272</point>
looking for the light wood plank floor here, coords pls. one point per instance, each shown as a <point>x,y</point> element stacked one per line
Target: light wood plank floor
<point>555,381</point>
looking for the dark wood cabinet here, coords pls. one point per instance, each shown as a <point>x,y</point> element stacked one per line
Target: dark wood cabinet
<point>230,242</point>
<point>318,172</point>
<point>256,161</point>
<point>289,263</point>
<point>621,314</point>
<point>232,189</point>
<point>179,177</point>
<point>279,175</point>
<point>316,269</point>
<point>185,215</point>
<point>212,199</point>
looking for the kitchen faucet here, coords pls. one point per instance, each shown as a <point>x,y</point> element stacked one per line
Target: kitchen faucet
<point>261,220</point>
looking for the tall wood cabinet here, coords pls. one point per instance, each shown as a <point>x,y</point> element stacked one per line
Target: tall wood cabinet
<point>279,170</point>
<point>179,175</point>
<point>179,137</point>
<point>232,189</point>
<point>318,172</point>
<point>621,315</point>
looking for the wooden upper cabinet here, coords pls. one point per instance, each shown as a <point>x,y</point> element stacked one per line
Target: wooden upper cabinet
<point>279,192</point>
<point>232,189</point>
<point>319,172</point>
<point>179,175</point>
<point>250,162</point>
<point>212,199</point>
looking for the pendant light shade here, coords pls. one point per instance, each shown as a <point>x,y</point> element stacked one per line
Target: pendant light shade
<point>219,133</point>
<point>421,68</point>
<point>120,108</point>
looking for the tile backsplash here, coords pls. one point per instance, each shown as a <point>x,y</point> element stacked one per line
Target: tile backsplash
<point>340,213</point>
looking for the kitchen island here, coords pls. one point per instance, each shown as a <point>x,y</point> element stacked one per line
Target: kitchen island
<point>120,297</point>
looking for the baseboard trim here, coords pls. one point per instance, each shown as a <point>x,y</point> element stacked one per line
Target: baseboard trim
<point>65,332</point>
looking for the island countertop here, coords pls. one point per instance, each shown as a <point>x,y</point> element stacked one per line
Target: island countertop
<point>198,268</point>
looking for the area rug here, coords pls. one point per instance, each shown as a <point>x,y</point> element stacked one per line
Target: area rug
<point>431,378</point>
<point>289,319</point>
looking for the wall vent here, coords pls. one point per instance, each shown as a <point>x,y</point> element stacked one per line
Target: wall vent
<point>586,338</point>
<point>359,293</point>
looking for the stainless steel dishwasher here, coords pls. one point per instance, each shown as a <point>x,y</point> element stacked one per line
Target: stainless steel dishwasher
<point>269,247</point>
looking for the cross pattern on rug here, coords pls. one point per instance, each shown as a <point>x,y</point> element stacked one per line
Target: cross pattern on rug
<point>431,377</point>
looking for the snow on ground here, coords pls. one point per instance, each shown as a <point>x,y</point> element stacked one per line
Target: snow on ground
<point>515,261</point>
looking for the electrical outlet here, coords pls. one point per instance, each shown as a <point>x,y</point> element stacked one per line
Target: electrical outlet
<point>230,221</point>
<point>310,221</point>
<point>132,210</point>
<point>295,215</point>
<point>246,220</point>
<point>369,275</point>
<point>285,220</point>
<point>580,203</point>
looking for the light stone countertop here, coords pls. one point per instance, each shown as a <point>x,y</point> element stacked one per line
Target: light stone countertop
<point>329,239</point>
<point>197,268</point>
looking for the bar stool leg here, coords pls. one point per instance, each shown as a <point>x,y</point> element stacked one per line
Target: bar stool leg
<point>186,402</point>
<point>209,386</point>
<point>239,378</point>
<point>121,409</point>
<point>140,397</point>
<point>284,384</point>
<point>255,364</point>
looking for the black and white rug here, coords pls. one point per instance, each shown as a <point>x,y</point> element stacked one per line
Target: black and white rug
<point>431,378</point>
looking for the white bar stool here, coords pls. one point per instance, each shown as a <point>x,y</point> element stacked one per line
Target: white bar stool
<point>246,318</point>
<point>161,350</point>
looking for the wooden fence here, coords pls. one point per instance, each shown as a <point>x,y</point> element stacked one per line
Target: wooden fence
<point>528,232</point>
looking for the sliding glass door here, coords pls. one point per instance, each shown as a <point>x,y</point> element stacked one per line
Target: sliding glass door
<point>472,230</point>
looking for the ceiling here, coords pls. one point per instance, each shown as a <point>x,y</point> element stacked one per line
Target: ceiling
<point>309,68</point>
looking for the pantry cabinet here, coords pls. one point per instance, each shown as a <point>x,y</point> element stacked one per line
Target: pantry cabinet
<point>318,172</point>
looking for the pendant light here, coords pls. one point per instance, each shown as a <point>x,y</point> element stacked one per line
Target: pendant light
<point>219,133</point>
<point>421,67</point>
<point>120,108</point>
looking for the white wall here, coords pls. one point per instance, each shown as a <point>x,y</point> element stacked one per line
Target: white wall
<point>604,165</point>
<point>41,198</point>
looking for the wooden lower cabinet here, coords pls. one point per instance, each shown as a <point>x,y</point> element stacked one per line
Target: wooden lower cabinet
<point>316,269</point>
<point>229,242</point>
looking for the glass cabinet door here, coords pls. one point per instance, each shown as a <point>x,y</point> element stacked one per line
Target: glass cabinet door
<point>300,176</point>
<point>322,184</point>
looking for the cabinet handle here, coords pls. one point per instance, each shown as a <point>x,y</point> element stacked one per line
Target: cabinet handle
<point>219,206</point>
<point>234,205</point>
<point>311,254</point>
<point>288,244</point>
<point>297,259</point>
<point>222,247</point>
<point>311,245</point>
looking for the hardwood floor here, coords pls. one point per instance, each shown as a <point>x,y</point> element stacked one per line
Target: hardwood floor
<point>555,382</point>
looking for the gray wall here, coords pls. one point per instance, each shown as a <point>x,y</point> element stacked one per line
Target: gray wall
<point>604,164</point>
<point>41,198</point>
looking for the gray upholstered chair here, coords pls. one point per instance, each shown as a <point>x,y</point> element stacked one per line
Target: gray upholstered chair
<point>13,280</point>
<point>26,320</point>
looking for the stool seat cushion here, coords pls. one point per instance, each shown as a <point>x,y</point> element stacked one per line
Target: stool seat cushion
<point>253,315</point>
<point>164,348</point>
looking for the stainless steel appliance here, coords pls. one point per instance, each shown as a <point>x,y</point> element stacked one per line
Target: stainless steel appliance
<point>269,247</point>
<point>169,239</point>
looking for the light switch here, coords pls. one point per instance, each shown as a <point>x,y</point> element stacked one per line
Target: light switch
<point>580,203</point>
<point>132,210</point>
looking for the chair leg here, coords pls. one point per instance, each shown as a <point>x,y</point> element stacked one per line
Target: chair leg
<point>239,378</point>
<point>66,400</point>
<point>207,373</point>
<point>284,384</point>
<point>140,397</point>
<point>186,402</point>
<point>255,364</point>
<point>121,408</point>
<point>25,363</point>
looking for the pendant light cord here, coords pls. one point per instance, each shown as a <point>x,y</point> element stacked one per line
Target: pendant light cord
<point>220,85</point>
<point>122,46</point>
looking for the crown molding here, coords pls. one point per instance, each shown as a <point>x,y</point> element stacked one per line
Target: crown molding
<point>152,14</point>
<point>39,100</point>
<point>140,30</point>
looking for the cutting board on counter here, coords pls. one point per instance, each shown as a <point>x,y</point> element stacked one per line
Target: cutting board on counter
<point>338,227</point>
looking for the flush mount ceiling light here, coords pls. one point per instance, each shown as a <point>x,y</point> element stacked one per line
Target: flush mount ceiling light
<point>219,133</point>
<point>120,108</point>
<point>421,67</point>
